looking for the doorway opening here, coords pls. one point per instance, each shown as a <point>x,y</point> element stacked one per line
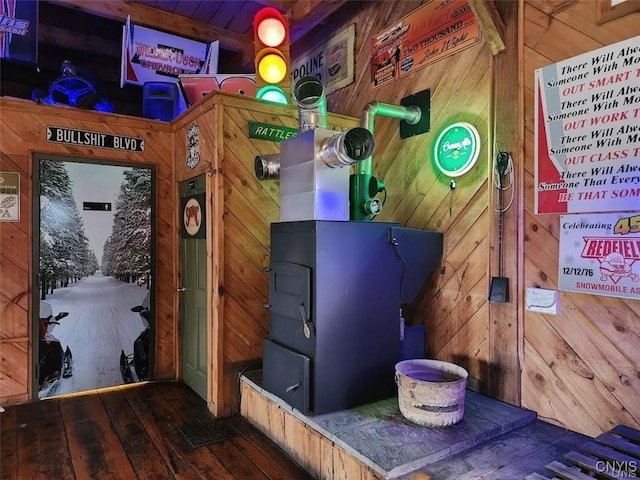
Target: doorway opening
<point>93,271</point>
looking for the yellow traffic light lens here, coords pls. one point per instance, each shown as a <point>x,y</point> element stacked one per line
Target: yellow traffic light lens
<point>271,32</point>
<point>272,94</point>
<point>272,66</point>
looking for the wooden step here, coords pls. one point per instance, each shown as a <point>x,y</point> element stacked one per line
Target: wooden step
<point>612,455</point>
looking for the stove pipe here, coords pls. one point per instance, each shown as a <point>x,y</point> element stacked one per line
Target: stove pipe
<point>312,103</point>
<point>312,113</point>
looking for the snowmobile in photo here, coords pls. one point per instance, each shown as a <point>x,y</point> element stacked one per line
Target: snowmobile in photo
<point>54,362</point>
<point>135,366</point>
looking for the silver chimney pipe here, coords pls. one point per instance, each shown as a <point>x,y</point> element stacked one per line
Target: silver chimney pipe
<point>312,103</point>
<point>411,114</point>
<point>347,148</point>
<point>267,166</point>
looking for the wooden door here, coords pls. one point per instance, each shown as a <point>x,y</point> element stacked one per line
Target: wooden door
<point>193,246</point>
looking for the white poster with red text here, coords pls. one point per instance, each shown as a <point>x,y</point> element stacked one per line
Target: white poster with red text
<point>587,132</point>
<point>600,254</point>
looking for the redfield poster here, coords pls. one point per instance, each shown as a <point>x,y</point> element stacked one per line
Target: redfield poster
<point>600,254</point>
<point>432,32</point>
<point>587,132</point>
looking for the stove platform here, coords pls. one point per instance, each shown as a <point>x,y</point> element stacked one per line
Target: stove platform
<point>375,441</point>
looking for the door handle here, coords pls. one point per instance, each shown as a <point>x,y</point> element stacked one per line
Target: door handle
<point>180,290</point>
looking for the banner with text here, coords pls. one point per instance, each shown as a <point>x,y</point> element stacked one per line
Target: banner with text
<point>152,56</point>
<point>608,262</point>
<point>332,63</point>
<point>19,30</point>
<point>434,31</point>
<point>587,132</point>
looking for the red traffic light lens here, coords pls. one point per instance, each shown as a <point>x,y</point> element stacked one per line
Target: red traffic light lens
<point>270,27</point>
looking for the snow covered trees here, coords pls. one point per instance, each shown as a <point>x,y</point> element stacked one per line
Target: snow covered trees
<point>127,252</point>
<point>64,247</point>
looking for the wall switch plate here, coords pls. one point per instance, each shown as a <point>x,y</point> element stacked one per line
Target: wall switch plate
<point>542,300</point>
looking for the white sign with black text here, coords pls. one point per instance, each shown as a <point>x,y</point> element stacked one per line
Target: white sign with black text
<point>587,132</point>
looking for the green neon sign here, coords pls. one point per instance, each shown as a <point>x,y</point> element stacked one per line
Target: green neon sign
<point>457,149</point>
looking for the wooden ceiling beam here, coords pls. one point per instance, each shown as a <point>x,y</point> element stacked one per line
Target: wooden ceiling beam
<point>159,20</point>
<point>69,40</point>
<point>281,5</point>
<point>308,14</point>
<point>491,23</point>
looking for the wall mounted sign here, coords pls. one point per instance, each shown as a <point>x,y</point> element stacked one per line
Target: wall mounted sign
<point>600,254</point>
<point>275,133</point>
<point>193,216</point>
<point>152,56</point>
<point>9,197</point>
<point>432,32</point>
<point>193,146</point>
<point>457,149</point>
<point>85,138</point>
<point>332,63</point>
<point>587,132</point>
<point>196,86</point>
<point>19,30</point>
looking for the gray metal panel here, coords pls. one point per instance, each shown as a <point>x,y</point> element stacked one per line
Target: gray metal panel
<point>421,251</point>
<point>287,375</point>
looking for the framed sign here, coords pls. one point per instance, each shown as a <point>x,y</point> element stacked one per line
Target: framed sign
<point>9,197</point>
<point>434,31</point>
<point>333,63</point>
<point>612,9</point>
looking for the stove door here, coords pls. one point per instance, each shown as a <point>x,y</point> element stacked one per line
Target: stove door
<point>286,375</point>
<point>290,309</point>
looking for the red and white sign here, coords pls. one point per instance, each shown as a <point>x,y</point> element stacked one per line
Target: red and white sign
<point>435,30</point>
<point>587,132</point>
<point>152,56</point>
<point>197,86</point>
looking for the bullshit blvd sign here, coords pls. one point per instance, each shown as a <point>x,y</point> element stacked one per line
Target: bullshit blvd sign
<point>87,138</point>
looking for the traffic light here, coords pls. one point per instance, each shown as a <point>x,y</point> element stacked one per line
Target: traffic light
<point>271,38</point>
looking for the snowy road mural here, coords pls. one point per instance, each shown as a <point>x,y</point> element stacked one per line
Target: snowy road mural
<point>95,263</point>
<point>100,324</point>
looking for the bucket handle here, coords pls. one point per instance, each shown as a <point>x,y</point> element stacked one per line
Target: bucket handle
<point>437,408</point>
<point>410,386</point>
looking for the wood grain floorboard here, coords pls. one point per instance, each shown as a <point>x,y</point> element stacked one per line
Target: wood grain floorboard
<point>133,433</point>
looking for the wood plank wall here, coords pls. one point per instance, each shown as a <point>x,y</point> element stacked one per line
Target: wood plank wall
<point>582,367</point>
<point>23,132</point>
<point>453,305</point>
<point>578,369</point>
<point>244,208</point>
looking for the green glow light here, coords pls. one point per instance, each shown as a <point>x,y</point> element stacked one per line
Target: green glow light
<point>457,149</point>
<point>273,94</point>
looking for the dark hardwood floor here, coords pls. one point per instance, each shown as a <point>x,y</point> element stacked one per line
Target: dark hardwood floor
<point>135,432</point>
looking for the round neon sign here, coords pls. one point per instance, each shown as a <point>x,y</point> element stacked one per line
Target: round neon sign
<point>457,149</point>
